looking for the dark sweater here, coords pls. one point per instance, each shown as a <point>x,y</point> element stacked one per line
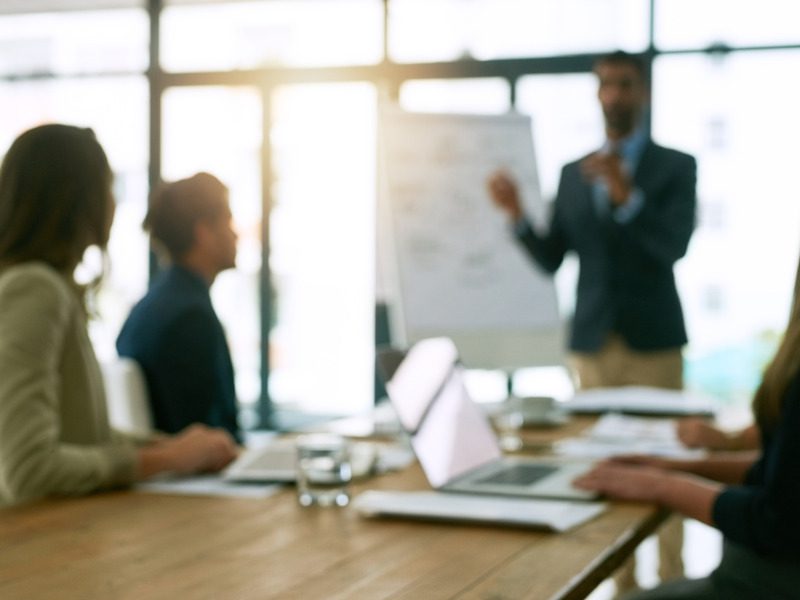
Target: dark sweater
<point>764,512</point>
<point>175,335</point>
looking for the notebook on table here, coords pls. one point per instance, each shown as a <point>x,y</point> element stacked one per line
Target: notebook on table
<point>452,437</point>
<point>553,515</point>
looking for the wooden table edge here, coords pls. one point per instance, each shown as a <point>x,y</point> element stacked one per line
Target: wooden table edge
<point>585,582</point>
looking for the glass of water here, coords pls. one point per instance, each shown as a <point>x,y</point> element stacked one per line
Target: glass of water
<point>323,470</point>
<point>508,423</point>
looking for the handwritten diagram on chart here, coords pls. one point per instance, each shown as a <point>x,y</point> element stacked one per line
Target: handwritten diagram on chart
<point>457,266</point>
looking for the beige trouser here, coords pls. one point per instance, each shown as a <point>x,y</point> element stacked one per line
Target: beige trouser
<point>616,364</point>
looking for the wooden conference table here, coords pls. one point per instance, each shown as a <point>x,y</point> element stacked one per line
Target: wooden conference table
<point>148,546</point>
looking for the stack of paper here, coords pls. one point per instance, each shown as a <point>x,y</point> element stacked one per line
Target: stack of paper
<point>615,434</point>
<point>640,400</point>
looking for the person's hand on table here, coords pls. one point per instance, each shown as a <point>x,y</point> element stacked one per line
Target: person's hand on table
<point>697,433</point>
<point>622,481</point>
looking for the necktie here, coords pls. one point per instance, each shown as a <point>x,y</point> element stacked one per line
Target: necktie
<point>602,204</point>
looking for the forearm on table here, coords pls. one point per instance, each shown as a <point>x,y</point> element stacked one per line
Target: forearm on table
<point>689,495</point>
<point>746,439</point>
<point>153,459</point>
<point>721,467</point>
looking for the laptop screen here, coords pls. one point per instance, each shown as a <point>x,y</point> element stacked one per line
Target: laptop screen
<point>449,432</point>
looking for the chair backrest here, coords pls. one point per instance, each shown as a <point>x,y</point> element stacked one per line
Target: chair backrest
<point>126,396</point>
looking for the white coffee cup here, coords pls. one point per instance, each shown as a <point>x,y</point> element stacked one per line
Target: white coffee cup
<point>535,408</point>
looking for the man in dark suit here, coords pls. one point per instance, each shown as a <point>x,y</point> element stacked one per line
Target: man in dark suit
<point>628,212</point>
<point>173,332</point>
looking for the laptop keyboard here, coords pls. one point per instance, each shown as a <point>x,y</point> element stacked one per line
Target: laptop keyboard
<point>275,458</point>
<point>519,475</point>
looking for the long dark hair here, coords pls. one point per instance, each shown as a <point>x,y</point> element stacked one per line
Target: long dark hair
<point>767,402</point>
<point>55,197</point>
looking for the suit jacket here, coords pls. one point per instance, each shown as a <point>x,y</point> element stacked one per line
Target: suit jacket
<point>176,337</point>
<point>626,282</point>
<point>55,438</point>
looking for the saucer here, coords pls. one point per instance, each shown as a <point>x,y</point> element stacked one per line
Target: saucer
<point>553,418</point>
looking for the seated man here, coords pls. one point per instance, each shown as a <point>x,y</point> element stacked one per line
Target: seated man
<point>173,332</point>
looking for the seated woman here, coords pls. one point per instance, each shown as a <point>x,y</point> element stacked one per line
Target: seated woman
<point>752,498</point>
<point>55,438</point>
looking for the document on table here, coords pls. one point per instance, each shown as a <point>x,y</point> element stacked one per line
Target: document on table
<point>554,515</point>
<point>615,434</point>
<point>208,485</point>
<point>640,400</point>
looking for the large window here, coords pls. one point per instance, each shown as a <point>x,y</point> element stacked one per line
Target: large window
<point>322,257</point>
<point>488,95</point>
<point>700,23</point>
<point>251,34</point>
<point>218,130</point>
<point>442,30</point>
<point>73,42</point>
<point>310,76</point>
<point>737,114</point>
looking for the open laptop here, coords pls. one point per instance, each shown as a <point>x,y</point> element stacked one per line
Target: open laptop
<point>451,436</point>
<point>275,461</point>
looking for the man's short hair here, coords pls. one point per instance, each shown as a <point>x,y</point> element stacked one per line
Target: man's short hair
<point>175,208</point>
<point>620,57</point>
